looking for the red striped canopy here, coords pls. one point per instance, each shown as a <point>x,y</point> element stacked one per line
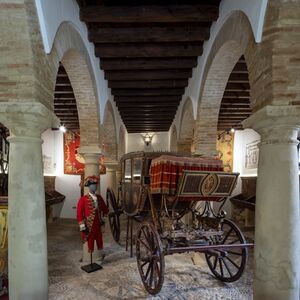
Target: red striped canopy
<point>166,170</point>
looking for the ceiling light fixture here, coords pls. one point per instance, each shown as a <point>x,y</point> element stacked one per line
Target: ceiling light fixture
<point>147,138</point>
<point>62,128</point>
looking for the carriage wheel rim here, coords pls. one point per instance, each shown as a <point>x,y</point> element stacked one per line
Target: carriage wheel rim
<point>151,264</point>
<point>113,217</point>
<point>228,266</point>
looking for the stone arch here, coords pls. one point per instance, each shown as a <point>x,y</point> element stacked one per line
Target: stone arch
<point>186,131</point>
<point>109,145</point>
<point>173,139</point>
<point>234,39</point>
<point>121,142</point>
<point>69,49</point>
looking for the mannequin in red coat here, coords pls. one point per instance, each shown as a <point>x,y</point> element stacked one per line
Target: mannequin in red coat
<point>91,212</point>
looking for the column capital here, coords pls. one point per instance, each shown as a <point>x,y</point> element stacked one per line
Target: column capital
<point>27,119</point>
<point>91,149</point>
<point>276,124</point>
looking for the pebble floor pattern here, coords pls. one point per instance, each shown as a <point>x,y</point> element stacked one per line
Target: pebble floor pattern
<point>119,278</point>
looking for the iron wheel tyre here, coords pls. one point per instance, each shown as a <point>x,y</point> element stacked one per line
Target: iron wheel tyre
<point>229,265</point>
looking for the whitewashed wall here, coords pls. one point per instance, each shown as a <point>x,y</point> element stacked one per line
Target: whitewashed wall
<point>160,142</point>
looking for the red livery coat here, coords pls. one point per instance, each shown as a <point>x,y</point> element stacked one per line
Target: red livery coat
<point>89,215</point>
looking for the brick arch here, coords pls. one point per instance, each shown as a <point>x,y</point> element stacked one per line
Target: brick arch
<point>121,142</point>
<point>173,139</point>
<point>69,49</point>
<point>110,148</point>
<point>186,130</point>
<point>234,39</point>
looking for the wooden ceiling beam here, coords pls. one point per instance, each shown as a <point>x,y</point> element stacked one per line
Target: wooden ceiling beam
<point>148,75</point>
<point>157,106</point>
<point>235,109</point>
<point>238,105</point>
<point>139,84</point>
<point>234,117</point>
<point>234,101</point>
<point>147,34</point>
<point>58,96</point>
<point>149,49</point>
<point>63,81</point>
<point>125,63</point>
<point>242,114</point>
<point>236,95</point>
<point>236,87</point>
<point>147,92</point>
<point>240,68</point>
<point>64,107</point>
<point>238,78</point>
<point>154,99</point>
<point>151,13</point>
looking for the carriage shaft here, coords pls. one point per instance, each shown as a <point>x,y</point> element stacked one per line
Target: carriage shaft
<point>206,248</point>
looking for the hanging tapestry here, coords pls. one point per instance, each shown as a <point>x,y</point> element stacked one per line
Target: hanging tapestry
<point>73,161</point>
<point>225,150</point>
<point>3,241</point>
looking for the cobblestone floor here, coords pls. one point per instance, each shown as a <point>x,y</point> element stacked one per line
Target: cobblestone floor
<point>119,278</point>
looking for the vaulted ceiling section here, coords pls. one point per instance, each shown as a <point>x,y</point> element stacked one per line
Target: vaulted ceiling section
<point>235,105</point>
<point>147,50</point>
<point>65,106</point>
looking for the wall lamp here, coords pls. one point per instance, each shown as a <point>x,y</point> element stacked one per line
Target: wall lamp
<point>147,138</point>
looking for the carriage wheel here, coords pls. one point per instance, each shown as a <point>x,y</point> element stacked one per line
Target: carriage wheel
<point>113,215</point>
<point>150,258</point>
<point>228,266</point>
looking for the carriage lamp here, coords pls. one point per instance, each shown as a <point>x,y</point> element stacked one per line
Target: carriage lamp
<point>147,138</point>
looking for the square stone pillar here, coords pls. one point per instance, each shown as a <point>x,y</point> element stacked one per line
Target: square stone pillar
<point>27,234</point>
<point>277,215</point>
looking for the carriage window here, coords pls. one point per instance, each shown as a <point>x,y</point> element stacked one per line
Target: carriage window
<point>127,170</point>
<point>137,169</point>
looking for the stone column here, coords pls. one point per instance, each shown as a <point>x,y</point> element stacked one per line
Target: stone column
<point>27,234</point>
<point>111,170</point>
<point>91,156</point>
<point>277,228</point>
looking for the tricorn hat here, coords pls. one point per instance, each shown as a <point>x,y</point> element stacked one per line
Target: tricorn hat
<point>91,180</point>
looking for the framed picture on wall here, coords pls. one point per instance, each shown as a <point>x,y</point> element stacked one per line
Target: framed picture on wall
<point>252,153</point>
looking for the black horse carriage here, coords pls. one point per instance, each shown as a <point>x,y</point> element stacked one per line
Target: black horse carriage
<point>159,189</point>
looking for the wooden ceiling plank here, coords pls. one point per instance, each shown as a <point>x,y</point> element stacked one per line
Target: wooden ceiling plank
<point>147,83</point>
<point>236,95</point>
<point>148,75</point>
<point>144,104</point>
<point>147,34</point>
<point>125,63</point>
<point>154,99</point>
<point>151,13</point>
<point>147,92</point>
<point>149,49</point>
<point>238,78</point>
<point>237,87</point>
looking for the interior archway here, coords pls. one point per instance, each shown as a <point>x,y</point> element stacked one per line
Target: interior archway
<point>109,145</point>
<point>121,143</point>
<point>70,51</point>
<point>186,132</point>
<point>173,142</point>
<point>233,40</point>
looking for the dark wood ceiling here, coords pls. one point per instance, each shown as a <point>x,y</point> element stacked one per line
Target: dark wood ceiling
<point>65,106</point>
<point>235,105</point>
<point>147,50</point>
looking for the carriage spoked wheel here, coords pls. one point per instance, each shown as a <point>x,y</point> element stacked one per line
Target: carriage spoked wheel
<point>150,258</point>
<point>228,265</point>
<point>113,215</point>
